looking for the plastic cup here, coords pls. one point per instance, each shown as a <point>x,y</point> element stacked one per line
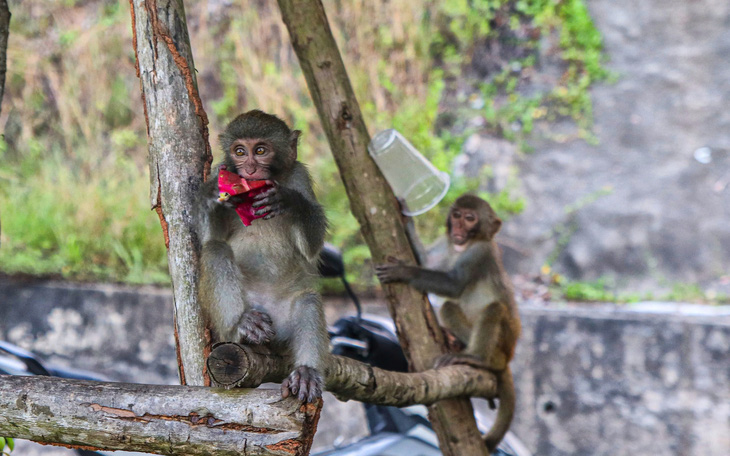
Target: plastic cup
<point>414,180</point>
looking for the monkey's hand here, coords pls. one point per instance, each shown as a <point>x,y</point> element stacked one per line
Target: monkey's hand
<point>255,328</point>
<point>304,383</point>
<point>393,271</point>
<point>231,202</point>
<point>451,359</point>
<point>272,202</point>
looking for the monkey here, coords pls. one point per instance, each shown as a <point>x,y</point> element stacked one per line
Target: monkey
<point>257,282</point>
<point>465,266</point>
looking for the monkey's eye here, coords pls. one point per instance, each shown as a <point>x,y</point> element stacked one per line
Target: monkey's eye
<point>240,151</point>
<point>259,150</point>
<point>470,218</point>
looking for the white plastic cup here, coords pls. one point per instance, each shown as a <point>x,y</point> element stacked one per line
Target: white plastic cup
<point>414,180</point>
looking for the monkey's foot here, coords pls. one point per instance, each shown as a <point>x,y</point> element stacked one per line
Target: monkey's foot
<point>305,383</point>
<point>451,359</point>
<point>255,328</point>
<point>454,343</point>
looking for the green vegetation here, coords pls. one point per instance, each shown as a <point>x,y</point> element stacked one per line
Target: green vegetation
<point>73,177</point>
<point>6,445</point>
<point>587,291</point>
<point>515,31</point>
<point>601,290</point>
<point>75,222</point>
<point>73,170</point>
<point>690,293</point>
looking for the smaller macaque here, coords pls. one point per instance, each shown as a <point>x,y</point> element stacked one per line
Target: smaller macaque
<point>465,266</point>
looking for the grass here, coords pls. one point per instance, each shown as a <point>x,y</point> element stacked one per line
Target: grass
<point>587,291</point>
<point>77,224</point>
<point>603,289</point>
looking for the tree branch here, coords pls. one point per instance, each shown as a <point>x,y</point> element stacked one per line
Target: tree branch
<point>233,365</point>
<point>155,418</point>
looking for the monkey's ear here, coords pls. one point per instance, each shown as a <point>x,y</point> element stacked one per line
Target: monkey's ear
<point>496,225</point>
<point>294,141</point>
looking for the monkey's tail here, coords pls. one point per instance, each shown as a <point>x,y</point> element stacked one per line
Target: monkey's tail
<point>505,412</point>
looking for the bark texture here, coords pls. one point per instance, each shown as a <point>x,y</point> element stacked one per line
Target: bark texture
<point>233,365</point>
<point>179,160</point>
<point>376,209</point>
<point>155,419</point>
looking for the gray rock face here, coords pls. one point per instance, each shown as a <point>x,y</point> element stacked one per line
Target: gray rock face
<point>645,206</point>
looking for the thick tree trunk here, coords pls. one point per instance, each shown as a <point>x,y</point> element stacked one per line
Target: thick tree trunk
<point>154,418</point>
<point>244,366</point>
<point>375,208</point>
<point>177,129</point>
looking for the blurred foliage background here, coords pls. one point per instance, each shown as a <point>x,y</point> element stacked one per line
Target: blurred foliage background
<point>73,172</point>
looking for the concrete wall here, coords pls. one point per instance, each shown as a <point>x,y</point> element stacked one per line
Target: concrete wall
<point>124,333</point>
<point>591,380</point>
<point>647,380</point>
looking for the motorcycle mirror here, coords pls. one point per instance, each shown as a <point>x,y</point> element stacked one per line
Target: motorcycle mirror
<point>330,262</point>
<point>331,265</point>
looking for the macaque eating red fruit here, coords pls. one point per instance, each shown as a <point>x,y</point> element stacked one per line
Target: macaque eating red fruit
<point>258,280</point>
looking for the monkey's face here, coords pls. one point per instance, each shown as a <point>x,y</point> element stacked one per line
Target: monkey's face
<point>464,224</point>
<point>253,158</point>
<point>260,146</point>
